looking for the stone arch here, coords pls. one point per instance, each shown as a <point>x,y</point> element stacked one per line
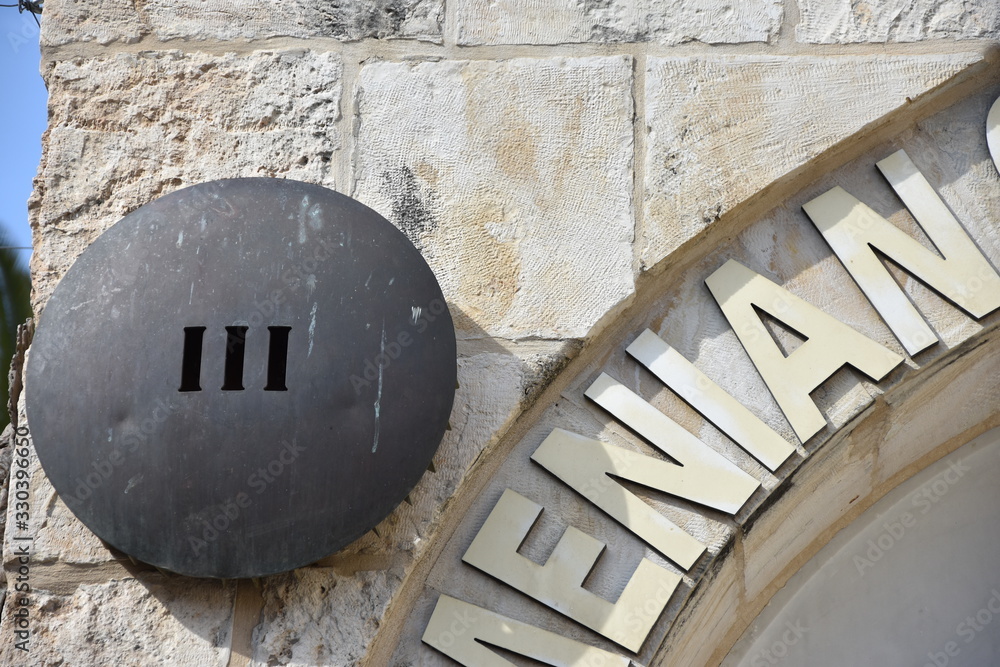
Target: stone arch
<point>878,433</point>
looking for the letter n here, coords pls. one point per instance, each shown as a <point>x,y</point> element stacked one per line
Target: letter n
<point>856,234</point>
<point>704,476</point>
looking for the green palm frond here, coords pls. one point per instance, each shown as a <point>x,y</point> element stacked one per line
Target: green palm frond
<point>15,308</point>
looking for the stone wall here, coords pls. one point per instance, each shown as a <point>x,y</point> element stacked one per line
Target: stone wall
<point>554,161</point>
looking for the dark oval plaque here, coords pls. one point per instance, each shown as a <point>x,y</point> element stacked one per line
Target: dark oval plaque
<point>241,377</point>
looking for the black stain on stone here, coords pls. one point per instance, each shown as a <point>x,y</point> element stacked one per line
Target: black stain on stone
<point>606,33</point>
<point>357,20</point>
<point>591,6</point>
<point>410,211</point>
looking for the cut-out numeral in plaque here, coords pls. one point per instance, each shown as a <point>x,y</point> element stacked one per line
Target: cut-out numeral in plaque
<point>277,358</point>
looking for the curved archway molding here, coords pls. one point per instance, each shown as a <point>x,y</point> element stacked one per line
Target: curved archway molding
<point>669,482</point>
<point>913,580</point>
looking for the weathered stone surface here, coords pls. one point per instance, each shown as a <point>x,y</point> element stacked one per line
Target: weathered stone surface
<point>722,128</point>
<point>719,595</point>
<point>161,621</point>
<point>119,136</point>
<point>515,180</point>
<point>7,441</point>
<point>69,21</point>
<point>844,21</point>
<point>562,21</point>
<point>58,535</point>
<point>312,616</point>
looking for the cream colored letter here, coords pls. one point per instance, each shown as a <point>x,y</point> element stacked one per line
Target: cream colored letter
<point>830,343</point>
<point>993,133</point>
<point>855,231</point>
<point>711,400</point>
<point>587,466</point>
<point>455,626</point>
<point>559,583</point>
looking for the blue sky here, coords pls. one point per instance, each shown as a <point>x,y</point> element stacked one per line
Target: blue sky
<point>22,121</point>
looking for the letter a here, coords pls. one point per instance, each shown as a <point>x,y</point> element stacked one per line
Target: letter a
<point>830,344</point>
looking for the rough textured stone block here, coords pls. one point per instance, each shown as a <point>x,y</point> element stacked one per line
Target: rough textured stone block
<point>723,128</point>
<point>949,404</point>
<point>58,535</point>
<point>126,129</point>
<point>68,21</point>
<point>515,180</point>
<point>312,616</point>
<point>843,21</point>
<point>158,622</point>
<point>562,21</point>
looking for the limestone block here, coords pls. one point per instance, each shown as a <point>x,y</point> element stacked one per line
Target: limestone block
<point>514,178</point>
<point>7,443</point>
<point>312,616</point>
<point>843,21</point>
<point>128,128</point>
<point>570,21</point>
<point>722,128</point>
<point>718,595</point>
<point>68,21</point>
<point>58,536</point>
<point>175,621</point>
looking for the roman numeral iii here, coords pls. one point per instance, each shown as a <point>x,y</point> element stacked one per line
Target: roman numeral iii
<point>277,358</point>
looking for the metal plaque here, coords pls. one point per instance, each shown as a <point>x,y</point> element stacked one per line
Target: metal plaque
<point>241,377</point>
